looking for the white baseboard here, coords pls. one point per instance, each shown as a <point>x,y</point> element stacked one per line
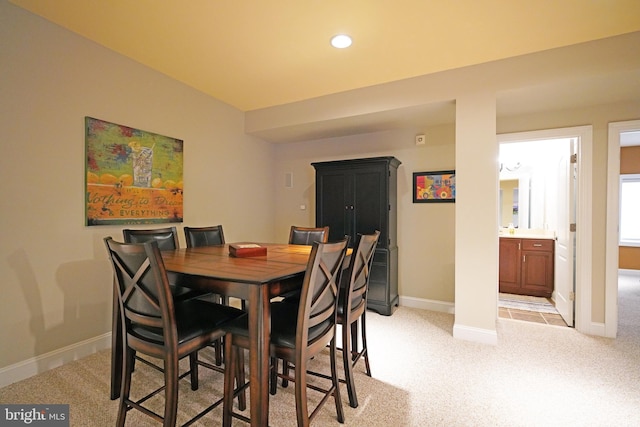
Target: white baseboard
<point>27,368</point>
<point>597,329</point>
<point>482,336</point>
<point>427,304</point>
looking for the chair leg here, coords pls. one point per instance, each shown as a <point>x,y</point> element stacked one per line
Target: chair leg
<point>193,367</point>
<point>218,349</point>
<point>302,410</point>
<point>125,387</point>
<point>273,376</point>
<point>240,379</point>
<point>336,381</point>
<point>171,391</point>
<point>347,357</point>
<point>230,369</point>
<point>365,349</point>
<point>354,340</point>
<point>285,372</point>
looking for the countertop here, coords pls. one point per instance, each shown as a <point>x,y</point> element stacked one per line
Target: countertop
<point>527,234</point>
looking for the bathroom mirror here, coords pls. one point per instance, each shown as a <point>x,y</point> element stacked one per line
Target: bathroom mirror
<point>514,202</point>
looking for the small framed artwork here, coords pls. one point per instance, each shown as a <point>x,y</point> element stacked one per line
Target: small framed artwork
<point>434,187</point>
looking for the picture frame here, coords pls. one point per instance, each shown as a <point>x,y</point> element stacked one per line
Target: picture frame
<point>131,176</point>
<point>434,187</point>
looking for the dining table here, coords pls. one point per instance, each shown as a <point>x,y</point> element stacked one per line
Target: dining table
<point>256,280</point>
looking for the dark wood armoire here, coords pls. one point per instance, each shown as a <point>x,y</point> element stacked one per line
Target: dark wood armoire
<point>360,196</point>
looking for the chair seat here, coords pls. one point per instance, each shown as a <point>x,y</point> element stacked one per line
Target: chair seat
<point>194,318</point>
<point>284,322</point>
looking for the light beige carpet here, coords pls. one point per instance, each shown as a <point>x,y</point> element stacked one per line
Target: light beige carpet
<point>537,375</point>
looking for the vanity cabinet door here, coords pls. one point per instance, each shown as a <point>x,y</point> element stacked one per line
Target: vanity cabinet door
<point>510,265</point>
<point>537,267</point>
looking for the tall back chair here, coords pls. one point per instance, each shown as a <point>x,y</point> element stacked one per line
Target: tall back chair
<point>304,236</point>
<point>352,306</point>
<point>299,333</point>
<point>204,236</point>
<point>167,238</point>
<point>307,235</point>
<point>155,325</point>
<point>209,236</point>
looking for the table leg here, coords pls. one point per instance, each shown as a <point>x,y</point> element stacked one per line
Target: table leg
<point>259,337</point>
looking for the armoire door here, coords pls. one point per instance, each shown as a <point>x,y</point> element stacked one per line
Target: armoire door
<point>333,203</point>
<point>371,206</point>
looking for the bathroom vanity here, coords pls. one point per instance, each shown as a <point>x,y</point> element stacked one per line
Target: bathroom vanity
<point>527,263</point>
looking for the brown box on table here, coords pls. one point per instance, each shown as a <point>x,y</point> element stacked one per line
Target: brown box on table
<point>241,250</point>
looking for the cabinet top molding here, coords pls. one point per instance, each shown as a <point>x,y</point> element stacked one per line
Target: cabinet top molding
<point>392,161</point>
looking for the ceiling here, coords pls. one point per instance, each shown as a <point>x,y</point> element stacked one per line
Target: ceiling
<point>259,54</point>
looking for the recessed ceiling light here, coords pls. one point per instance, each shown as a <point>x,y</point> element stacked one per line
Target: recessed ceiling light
<point>341,41</point>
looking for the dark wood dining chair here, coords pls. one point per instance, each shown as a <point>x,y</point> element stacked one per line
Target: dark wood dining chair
<point>300,236</point>
<point>304,236</point>
<point>208,236</point>
<point>298,333</point>
<point>308,235</point>
<point>155,325</point>
<point>352,309</point>
<point>204,236</point>
<point>167,239</point>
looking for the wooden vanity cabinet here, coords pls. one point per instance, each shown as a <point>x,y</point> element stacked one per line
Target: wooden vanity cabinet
<point>527,266</point>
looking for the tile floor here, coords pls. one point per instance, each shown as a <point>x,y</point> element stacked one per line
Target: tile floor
<point>531,316</point>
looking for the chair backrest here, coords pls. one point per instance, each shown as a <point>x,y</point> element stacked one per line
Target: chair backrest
<point>308,235</point>
<point>204,236</point>
<point>167,238</point>
<point>355,283</point>
<point>319,295</point>
<point>144,295</point>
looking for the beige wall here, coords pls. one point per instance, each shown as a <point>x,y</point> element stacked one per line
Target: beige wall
<point>438,284</point>
<point>54,269</point>
<point>56,282</point>
<point>425,231</point>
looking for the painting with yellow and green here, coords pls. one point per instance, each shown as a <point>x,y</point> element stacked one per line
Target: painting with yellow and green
<point>132,176</point>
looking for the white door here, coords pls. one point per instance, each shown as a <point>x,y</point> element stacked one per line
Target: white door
<point>565,244</point>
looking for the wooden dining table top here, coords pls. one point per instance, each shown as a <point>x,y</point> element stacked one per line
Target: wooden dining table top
<point>280,262</point>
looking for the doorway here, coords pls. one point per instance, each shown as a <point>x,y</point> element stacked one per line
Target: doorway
<point>581,294</point>
<point>620,133</point>
<point>534,188</point>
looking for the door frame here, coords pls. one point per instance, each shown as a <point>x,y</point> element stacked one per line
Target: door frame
<point>613,219</point>
<point>584,234</point>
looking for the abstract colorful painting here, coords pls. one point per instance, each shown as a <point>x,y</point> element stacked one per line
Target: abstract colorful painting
<point>434,187</point>
<point>132,176</point>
